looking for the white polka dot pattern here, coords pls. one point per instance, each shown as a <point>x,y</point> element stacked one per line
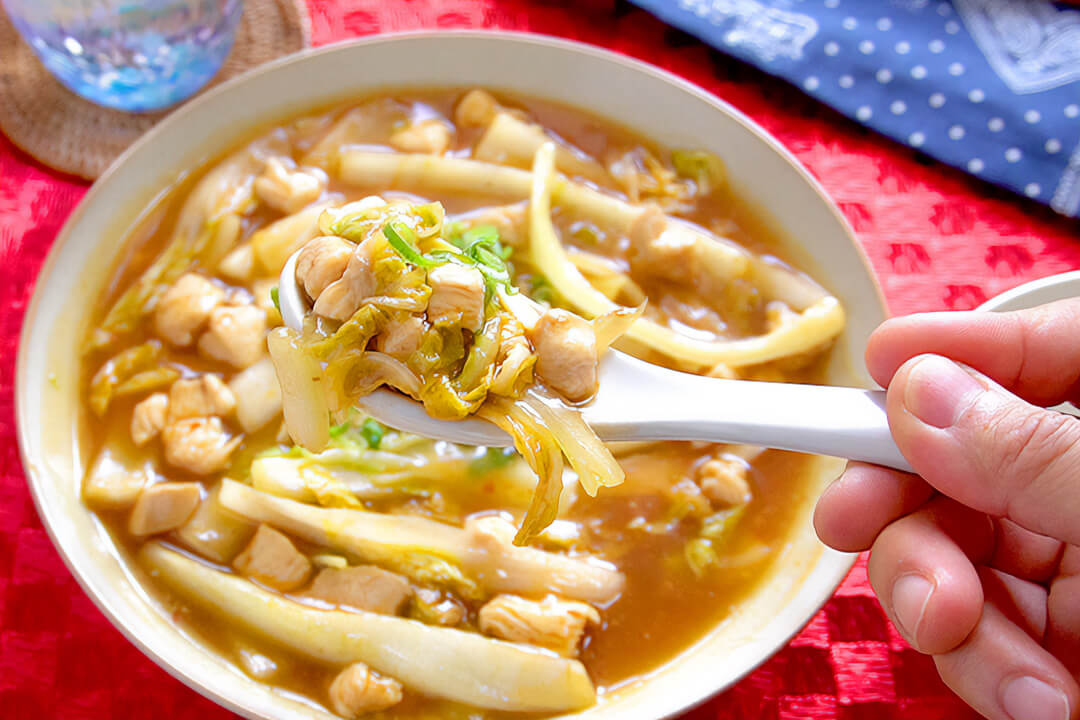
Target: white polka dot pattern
<point>948,77</point>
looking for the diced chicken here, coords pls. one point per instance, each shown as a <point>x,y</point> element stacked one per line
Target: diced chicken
<point>112,483</point>
<point>660,252</point>
<point>363,587</point>
<point>273,560</point>
<point>430,136</point>
<point>476,109</point>
<point>566,354</point>
<point>676,252</point>
<point>358,690</point>
<point>199,445</point>
<point>185,308</point>
<point>457,295</point>
<point>724,481</point>
<point>550,623</point>
<point>401,337</point>
<point>163,507</point>
<point>321,262</point>
<point>258,395</point>
<point>514,370</point>
<point>343,297</point>
<point>287,190</point>
<point>239,264</point>
<point>203,396</point>
<point>236,335</point>
<point>439,609</point>
<point>148,418</point>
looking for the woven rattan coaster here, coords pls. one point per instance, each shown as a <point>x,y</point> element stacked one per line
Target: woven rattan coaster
<point>73,135</point>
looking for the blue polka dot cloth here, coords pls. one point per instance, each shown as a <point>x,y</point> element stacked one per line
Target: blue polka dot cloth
<point>989,86</point>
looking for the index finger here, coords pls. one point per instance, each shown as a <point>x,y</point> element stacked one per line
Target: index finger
<point>1033,353</point>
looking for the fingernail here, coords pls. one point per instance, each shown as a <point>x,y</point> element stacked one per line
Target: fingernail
<point>938,391</point>
<point>1028,698</point>
<point>910,596</point>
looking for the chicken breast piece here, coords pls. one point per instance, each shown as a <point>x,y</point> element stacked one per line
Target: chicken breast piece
<point>185,308</point>
<point>343,297</point>
<point>364,587</point>
<point>148,418</point>
<point>321,262</point>
<point>457,295</point>
<point>289,190</point>
<point>236,335</point>
<point>675,252</point>
<point>163,507</point>
<point>476,109</point>
<point>551,623</point>
<point>431,136</point>
<point>203,396</point>
<point>401,337</point>
<point>199,445</point>
<point>273,560</point>
<point>358,690</point>
<point>725,481</point>
<point>566,353</point>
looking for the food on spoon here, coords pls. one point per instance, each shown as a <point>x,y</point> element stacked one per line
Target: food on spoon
<point>376,572</point>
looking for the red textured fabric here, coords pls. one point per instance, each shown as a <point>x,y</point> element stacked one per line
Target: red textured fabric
<point>937,240</point>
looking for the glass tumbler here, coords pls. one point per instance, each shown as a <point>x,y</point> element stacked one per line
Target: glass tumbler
<point>134,55</point>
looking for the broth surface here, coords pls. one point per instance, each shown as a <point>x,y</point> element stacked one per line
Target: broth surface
<point>643,527</point>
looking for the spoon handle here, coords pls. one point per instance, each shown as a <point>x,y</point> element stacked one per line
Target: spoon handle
<point>839,421</point>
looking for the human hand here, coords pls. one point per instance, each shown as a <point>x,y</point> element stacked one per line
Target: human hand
<point>977,558</point>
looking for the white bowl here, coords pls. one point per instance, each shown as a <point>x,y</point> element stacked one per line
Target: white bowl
<point>1037,292</point>
<point>647,100</point>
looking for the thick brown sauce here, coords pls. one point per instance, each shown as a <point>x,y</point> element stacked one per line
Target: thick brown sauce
<point>665,608</point>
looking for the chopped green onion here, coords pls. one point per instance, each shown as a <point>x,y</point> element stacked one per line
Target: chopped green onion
<point>403,239</point>
<point>480,248</point>
<point>373,432</point>
<point>481,234</point>
<point>274,298</point>
<point>339,430</point>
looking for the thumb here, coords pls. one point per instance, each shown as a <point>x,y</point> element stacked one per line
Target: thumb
<point>986,448</point>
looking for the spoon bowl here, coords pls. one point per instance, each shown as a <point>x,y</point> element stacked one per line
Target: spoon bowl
<point>639,401</point>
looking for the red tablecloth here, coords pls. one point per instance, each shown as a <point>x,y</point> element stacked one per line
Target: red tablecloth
<point>937,239</point>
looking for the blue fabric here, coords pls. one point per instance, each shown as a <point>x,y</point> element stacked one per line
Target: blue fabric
<point>989,86</point>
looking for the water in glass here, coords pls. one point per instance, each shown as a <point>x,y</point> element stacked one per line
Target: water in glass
<point>135,55</point>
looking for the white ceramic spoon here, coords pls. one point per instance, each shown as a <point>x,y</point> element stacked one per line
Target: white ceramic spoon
<point>641,401</point>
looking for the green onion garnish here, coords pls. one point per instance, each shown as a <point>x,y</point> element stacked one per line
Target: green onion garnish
<point>373,432</point>
<point>403,240</point>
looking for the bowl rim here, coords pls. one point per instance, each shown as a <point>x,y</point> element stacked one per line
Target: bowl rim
<point>1021,293</point>
<point>841,563</point>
